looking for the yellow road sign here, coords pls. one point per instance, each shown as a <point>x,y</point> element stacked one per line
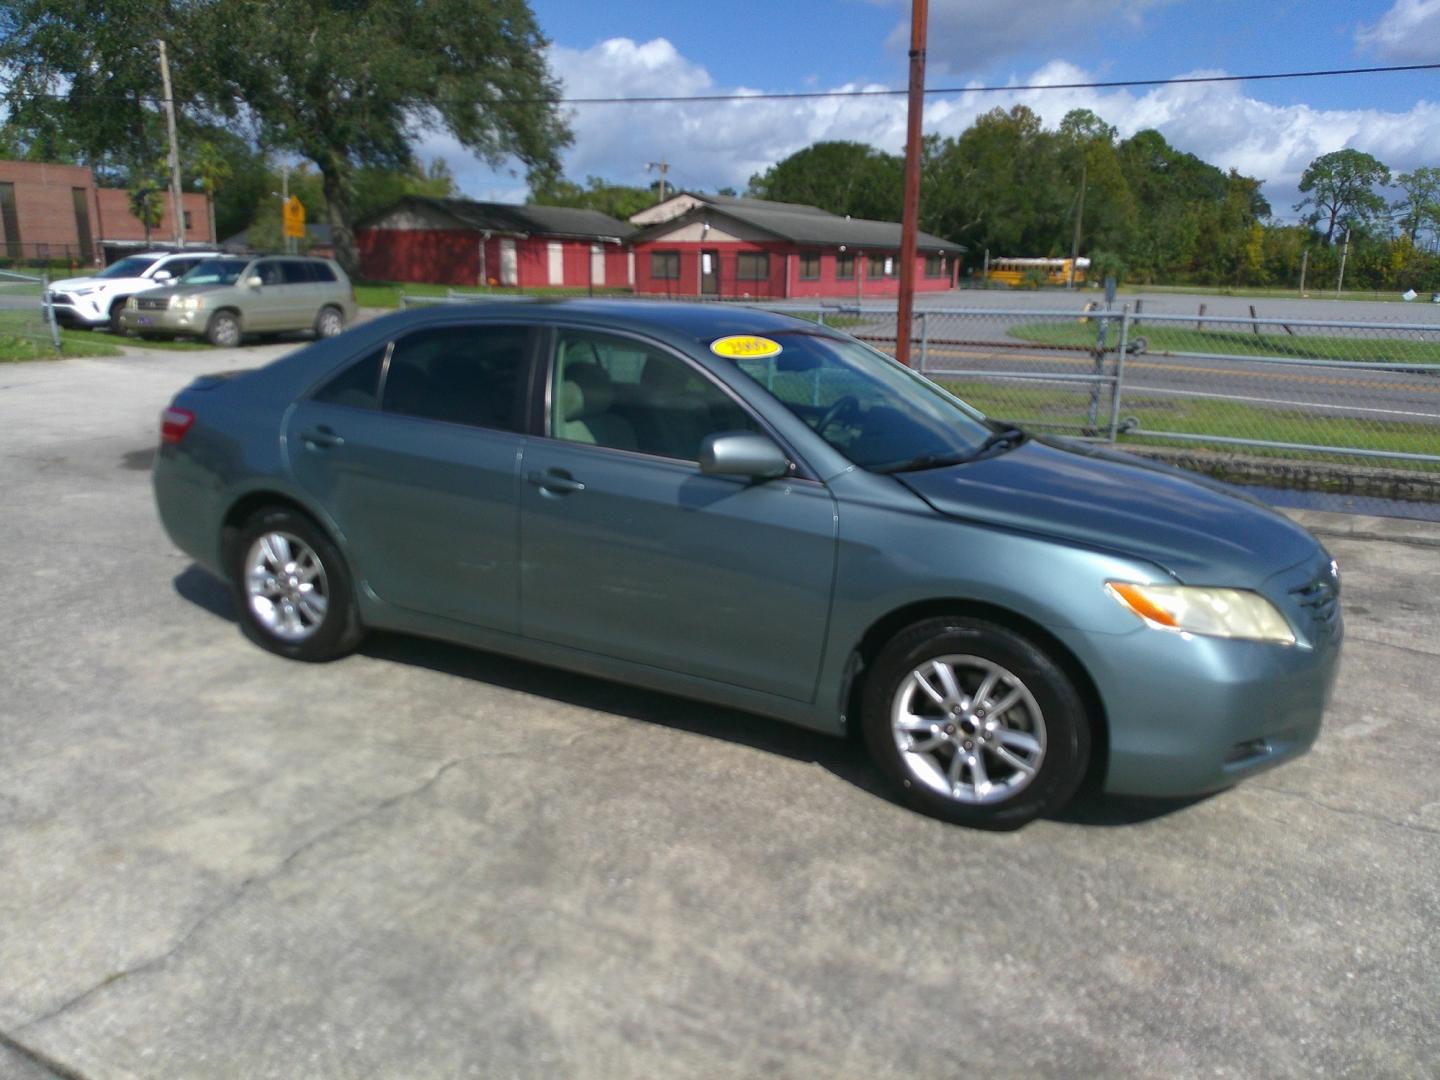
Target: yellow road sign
<point>295,218</point>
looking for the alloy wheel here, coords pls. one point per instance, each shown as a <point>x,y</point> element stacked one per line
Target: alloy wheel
<point>285,586</point>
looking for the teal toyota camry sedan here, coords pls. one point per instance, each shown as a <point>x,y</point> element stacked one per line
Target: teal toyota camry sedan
<point>740,507</point>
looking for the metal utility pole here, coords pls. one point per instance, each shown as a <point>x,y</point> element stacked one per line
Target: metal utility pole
<point>285,200</point>
<point>1304,264</point>
<point>663,167</point>
<point>910,222</point>
<point>1079,217</point>
<point>174,148</point>
<point>1344,254</point>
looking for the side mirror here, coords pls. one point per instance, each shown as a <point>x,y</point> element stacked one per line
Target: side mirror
<point>742,453</point>
<point>253,281</point>
<point>161,275</point>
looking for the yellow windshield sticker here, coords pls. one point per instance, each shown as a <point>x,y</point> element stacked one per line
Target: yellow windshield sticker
<point>744,347</point>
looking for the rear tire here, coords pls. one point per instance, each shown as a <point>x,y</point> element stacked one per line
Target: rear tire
<point>329,322</point>
<point>223,330</point>
<point>975,723</point>
<point>293,592</point>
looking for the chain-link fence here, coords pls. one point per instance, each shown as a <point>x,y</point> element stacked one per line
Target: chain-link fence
<point>27,322</point>
<point>1346,398</point>
<point>1337,406</point>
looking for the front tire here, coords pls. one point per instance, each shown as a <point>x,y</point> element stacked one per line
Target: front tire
<point>292,589</point>
<point>115,309</point>
<point>975,723</point>
<point>223,330</point>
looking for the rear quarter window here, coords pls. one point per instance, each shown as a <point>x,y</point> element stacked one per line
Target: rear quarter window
<point>358,385</point>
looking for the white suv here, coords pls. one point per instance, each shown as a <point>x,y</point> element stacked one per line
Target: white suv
<point>97,301</point>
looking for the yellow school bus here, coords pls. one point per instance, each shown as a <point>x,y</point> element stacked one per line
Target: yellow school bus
<point>1019,273</point>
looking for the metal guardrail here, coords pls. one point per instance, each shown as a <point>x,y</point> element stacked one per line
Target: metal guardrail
<point>1366,393</point>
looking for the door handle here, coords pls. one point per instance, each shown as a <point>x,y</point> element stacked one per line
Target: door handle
<point>555,482</point>
<point>321,438</point>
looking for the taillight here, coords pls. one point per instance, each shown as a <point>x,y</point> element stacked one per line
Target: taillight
<point>174,423</point>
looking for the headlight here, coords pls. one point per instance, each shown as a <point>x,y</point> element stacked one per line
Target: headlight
<point>1227,613</point>
<point>188,303</point>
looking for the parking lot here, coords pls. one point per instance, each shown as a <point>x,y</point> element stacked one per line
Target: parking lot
<point>423,861</point>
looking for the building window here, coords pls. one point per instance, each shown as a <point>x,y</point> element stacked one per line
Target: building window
<point>665,265</point>
<point>752,266</point>
<point>809,265</point>
<point>934,265</point>
<point>882,266</point>
<point>10,220</point>
<point>188,226</point>
<point>844,266</point>
<point>82,224</point>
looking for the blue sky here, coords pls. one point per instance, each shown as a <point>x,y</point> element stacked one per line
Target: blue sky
<point>1271,130</point>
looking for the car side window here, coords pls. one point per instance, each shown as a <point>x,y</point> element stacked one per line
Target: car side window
<point>358,385</point>
<point>618,392</point>
<point>473,374</point>
<point>296,272</point>
<point>322,271</point>
<point>269,273</point>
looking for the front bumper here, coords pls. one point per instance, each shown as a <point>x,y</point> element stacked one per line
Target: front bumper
<point>1188,714</point>
<point>169,321</point>
<point>71,310</point>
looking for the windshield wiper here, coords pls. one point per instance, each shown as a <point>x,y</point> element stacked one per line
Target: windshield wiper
<point>1008,436</point>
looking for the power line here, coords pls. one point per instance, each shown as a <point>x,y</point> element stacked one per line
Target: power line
<point>813,95</point>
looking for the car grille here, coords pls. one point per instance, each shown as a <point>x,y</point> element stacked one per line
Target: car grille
<point>145,304</point>
<point>1320,602</point>
<point>59,298</point>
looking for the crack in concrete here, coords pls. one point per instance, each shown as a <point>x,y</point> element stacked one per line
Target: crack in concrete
<point>1376,537</point>
<point>1424,830</point>
<point>1391,645</point>
<point>43,1060</point>
<point>239,893</point>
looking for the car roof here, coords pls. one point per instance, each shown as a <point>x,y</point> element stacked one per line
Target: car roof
<point>690,321</point>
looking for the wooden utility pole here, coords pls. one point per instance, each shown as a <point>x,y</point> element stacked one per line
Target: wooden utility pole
<point>1079,217</point>
<point>662,166</point>
<point>174,148</point>
<point>910,222</point>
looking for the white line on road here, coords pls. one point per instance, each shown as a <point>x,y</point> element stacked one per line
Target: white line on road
<point>1280,401</point>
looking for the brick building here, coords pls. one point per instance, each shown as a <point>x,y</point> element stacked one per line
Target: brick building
<point>58,212</point>
<point>463,242</point>
<point>719,245</point>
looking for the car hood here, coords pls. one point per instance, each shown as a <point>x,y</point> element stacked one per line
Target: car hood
<point>71,284</point>
<point>1194,528</point>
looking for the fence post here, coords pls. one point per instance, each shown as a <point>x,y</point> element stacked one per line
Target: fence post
<point>49,310</point>
<point>924,338</point>
<point>1092,415</point>
<point>1118,388</point>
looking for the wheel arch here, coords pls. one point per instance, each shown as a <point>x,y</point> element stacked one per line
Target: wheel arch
<point>884,629</point>
<point>248,503</point>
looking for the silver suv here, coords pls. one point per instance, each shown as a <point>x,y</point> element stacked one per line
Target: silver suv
<point>223,299</point>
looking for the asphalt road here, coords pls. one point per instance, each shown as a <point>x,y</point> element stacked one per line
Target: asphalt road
<point>429,862</point>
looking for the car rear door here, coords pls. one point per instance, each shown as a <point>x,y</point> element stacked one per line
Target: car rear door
<point>629,551</point>
<point>415,450</point>
<point>300,295</point>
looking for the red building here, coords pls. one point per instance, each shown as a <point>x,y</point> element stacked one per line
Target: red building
<point>722,246</point>
<point>461,242</point>
<point>57,212</point>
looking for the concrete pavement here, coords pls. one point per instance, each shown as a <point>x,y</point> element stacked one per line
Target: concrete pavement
<point>424,861</point>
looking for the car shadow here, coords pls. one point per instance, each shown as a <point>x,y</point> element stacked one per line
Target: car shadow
<point>843,758</point>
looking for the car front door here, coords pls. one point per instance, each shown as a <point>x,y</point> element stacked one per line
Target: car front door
<point>629,551</point>
<point>415,450</point>
<point>262,304</point>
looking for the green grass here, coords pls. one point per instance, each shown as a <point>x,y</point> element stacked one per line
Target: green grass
<point>1179,338</point>
<point>1066,410</point>
<point>1317,291</point>
<point>24,336</point>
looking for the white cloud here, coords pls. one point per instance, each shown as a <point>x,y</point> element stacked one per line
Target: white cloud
<point>968,34</point>
<point>711,145</point>
<point>1409,33</point>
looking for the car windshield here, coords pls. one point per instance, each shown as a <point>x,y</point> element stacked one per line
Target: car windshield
<point>879,414</point>
<point>215,272</point>
<point>130,266</point>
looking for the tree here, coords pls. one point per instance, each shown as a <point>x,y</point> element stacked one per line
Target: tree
<point>617,200</point>
<point>147,203</point>
<point>213,171</point>
<point>1339,188</point>
<point>841,177</point>
<point>344,84</point>
<point>1420,209</point>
